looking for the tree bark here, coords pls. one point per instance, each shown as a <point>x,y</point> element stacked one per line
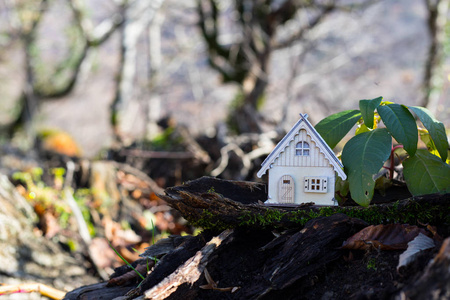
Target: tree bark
<point>215,203</point>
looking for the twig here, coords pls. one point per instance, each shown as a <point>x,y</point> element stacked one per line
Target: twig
<point>190,271</point>
<point>157,154</point>
<point>43,289</point>
<point>141,175</point>
<point>224,159</point>
<point>82,226</point>
<point>232,144</point>
<point>212,285</point>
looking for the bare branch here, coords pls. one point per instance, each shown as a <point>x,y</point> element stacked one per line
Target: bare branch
<point>96,35</point>
<point>297,36</point>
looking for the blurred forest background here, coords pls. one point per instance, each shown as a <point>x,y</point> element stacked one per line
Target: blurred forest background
<point>105,103</point>
<point>107,71</point>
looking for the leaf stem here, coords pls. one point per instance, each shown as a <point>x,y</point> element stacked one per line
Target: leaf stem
<point>392,164</point>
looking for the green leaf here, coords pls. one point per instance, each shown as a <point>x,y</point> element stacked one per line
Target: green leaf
<point>367,108</point>
<point>435,128</point>
<point>401,124</point>
<point>333,128</point>
<point>425,173</point>
<point>363,156</point>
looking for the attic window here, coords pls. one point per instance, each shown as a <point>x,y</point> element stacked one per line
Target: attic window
<point>302,149</point>
<point>316,184</point>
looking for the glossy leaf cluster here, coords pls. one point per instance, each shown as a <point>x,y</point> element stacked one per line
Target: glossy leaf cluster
<point>365,154</point>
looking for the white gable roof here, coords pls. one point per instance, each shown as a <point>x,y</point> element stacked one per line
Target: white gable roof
<point>303,123</point>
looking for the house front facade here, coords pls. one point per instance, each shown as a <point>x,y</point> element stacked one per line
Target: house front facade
<point>302,168</point>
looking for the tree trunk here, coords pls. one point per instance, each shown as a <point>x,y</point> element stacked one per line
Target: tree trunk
<point>432,84</point>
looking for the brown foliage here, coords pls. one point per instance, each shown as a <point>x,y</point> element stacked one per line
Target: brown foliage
<point>383,237</point>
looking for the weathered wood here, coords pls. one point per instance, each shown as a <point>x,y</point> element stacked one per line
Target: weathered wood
<point>171,261</point>
<point>189,272</point>
<point>301,257</point>
<point>98,291</point>
<point>214,203</point>
<point>259,266</point>
<point>203,200</point>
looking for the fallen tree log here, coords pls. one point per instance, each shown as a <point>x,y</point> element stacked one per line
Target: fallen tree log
<point>284,253</point>
<point>298,264</point>
<point>276,265</point>
<point>213,203</point>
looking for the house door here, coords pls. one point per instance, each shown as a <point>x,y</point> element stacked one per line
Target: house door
<point>286,190</point>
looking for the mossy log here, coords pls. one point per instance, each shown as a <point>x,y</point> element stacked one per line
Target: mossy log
<point>219,204</point>
<point>256,262</point>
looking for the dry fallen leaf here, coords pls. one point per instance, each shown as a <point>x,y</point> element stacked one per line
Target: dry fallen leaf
<point>420,243</point>
<point>383,237</point>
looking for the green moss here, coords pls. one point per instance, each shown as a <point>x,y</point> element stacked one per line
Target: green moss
<point>212,191</point>
<point>372,264</point>
<point>208,220</point>
<point>271,217</point>
<point>413,213</point>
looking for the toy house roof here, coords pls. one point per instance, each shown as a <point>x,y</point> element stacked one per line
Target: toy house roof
<point>303,123</point>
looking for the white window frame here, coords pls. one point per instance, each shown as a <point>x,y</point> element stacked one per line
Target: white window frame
<point>315,184</point>
<point>302,148</point>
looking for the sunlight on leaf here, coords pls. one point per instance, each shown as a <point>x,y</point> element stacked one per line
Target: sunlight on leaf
<point>425,173</point>
<point>428,141</point>
<point>435,128</point>
<point>361,129</point>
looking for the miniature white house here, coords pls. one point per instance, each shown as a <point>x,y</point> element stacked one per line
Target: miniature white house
<point>302,168</point>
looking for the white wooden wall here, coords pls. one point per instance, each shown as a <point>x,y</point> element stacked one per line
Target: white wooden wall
<point>289,158</point>
<point>298,175</point>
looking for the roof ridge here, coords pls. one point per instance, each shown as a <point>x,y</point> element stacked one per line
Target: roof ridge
<point>290,135</point>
